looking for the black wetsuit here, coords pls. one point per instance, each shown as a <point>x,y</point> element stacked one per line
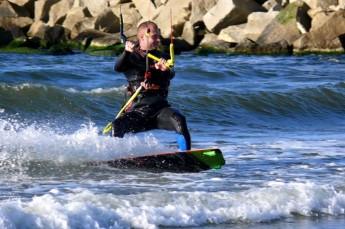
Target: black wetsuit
<point>151,109</point>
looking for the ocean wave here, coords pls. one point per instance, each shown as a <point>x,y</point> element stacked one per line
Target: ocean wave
<point>199,105</point>
<point>83,208</point>
<point>52,101</point>
<point>305,101</point>
<point>27,86</point>
<point>298,102</point>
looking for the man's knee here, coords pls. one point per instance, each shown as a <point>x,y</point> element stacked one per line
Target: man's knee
<point>180,123</point>
<point>183,138</point>
<point>118,129</point>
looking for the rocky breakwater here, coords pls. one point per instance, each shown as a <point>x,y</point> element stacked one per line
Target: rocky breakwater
<point>232,26</point>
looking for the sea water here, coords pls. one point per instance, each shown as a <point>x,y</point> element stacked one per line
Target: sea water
<point>279,120</point>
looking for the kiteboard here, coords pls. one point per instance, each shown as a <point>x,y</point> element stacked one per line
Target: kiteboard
<point>182,161</point>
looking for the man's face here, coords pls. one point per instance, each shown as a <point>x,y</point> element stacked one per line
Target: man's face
<point>149,38</point>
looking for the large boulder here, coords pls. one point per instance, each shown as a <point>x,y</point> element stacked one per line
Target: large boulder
<point>96,38</point>
<point>248,46</point>
<point>75,16</point>
<point>8,9</point>
<point>20,11</point>
<point>131,34</point>
<point>11,20</point>
<point>51,35</point>
<point>341,4</point>
<point>42,8</point>
<point>146,8</point>
<point>313,4</point>
<point>79,19</point>
<point>328,37</point>
<point>211,43</point>
<point>58,12</point>
<point>287,25</point>
<point>18,26</point>
<point>81,26</point>
<point>157,3</point>
<point>180,15</point>
<point>257,22</point>
<point>38,29</point>
<point>130,14</point>
<point>106,40</point>
<point>199,9</point>
<point>28,5</point>
<point>233,34</point>
<point>189,34</point>
<point>319,17</point>
<point>229,12</point>
<point>96,7</point>
<point>107,22</point>
<point>209,38</point>
<point>91,33</point>
<point>309,43</point>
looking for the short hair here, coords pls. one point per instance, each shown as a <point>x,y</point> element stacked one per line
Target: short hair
<point>145,25</point>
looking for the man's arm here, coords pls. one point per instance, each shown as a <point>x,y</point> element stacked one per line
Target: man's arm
<point>121,63</point>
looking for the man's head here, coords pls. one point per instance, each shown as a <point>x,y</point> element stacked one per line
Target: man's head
<point>148,35</point>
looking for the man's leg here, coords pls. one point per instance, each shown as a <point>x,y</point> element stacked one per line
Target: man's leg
<point>133,121</point>
<point>170,119</point>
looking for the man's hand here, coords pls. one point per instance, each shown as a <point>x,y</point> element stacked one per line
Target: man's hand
<point>149,86</point>
<point>129,46</point>
<point>161,64</point>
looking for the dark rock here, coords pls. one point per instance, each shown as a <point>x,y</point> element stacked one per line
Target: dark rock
<point>55,35</point>
<point>229,12</point>
<point>32,42</point>
<point>327,37</point>
<point>260,1</point>
<point>284,26</point>
<point>5,37</point>
<point>251,47</point>
<point>107,22</point>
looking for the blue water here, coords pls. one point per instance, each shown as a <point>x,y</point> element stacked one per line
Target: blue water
<point>278,120</point>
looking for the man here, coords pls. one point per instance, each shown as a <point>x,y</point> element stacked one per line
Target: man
<point>151,109</point>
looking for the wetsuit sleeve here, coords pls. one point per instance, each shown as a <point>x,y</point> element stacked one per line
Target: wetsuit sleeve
<point>169,74</point>
<point>121,64</point>
<point>172,73</point>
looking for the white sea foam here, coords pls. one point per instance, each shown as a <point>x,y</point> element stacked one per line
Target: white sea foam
<point>84,209</point>
<point>22,86</point>
<point>98,90</point>
<point>34,142</point>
